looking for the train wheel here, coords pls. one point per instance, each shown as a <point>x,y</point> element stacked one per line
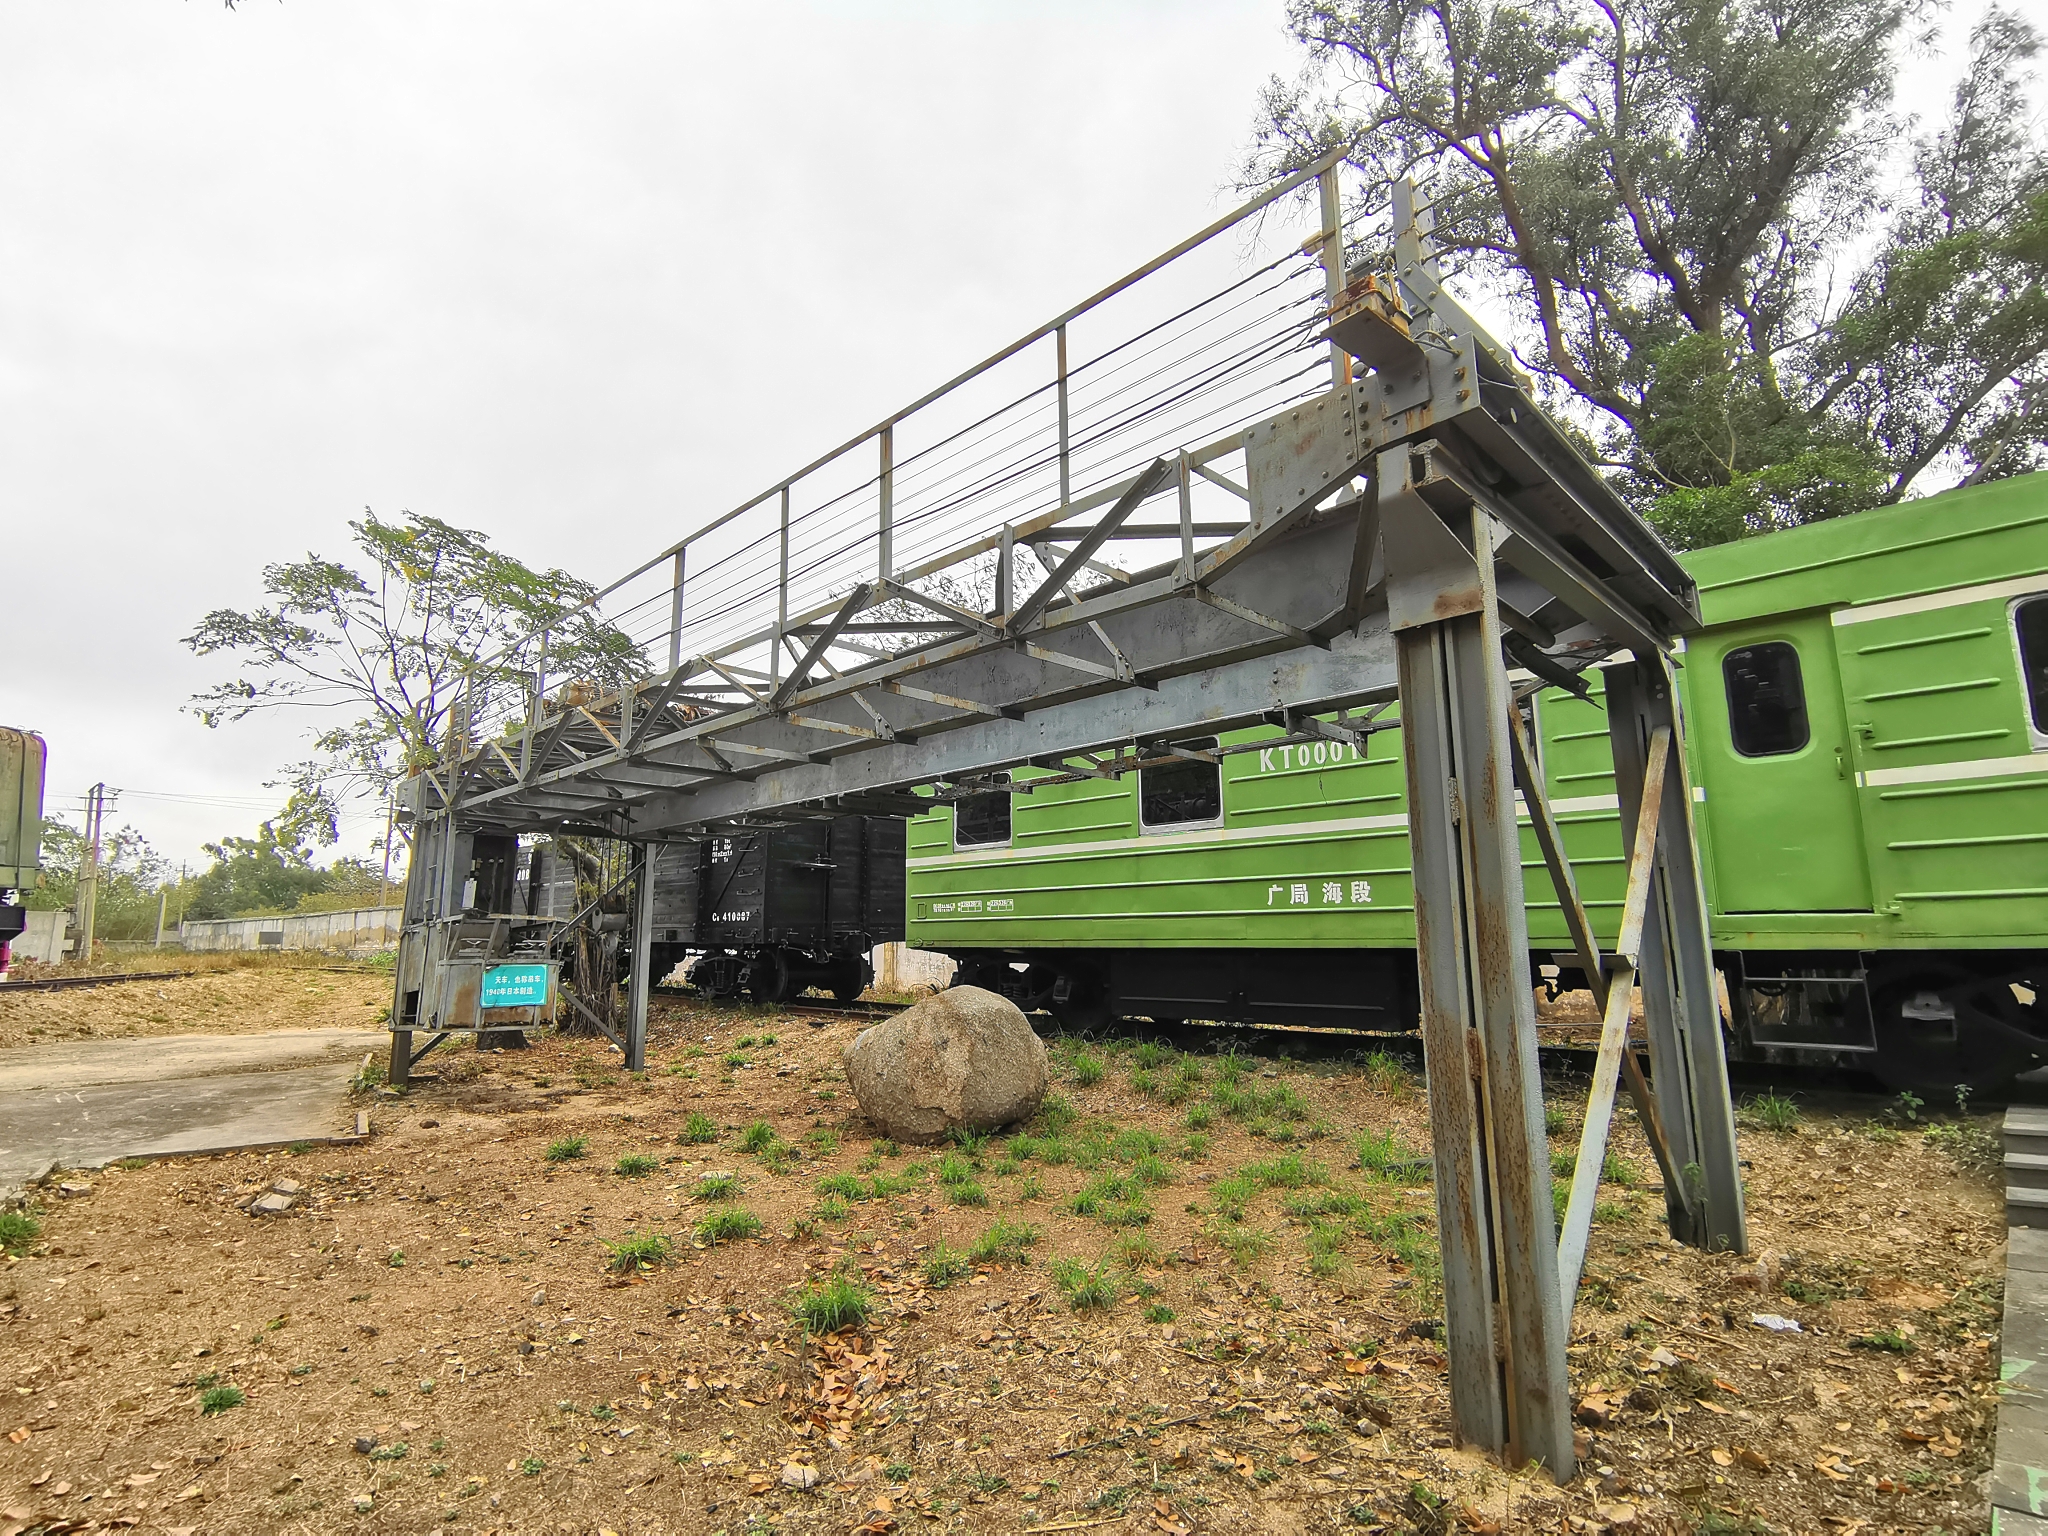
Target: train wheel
<point>768,978</point>
<point>851,979</point>
<point>1942,1032</point>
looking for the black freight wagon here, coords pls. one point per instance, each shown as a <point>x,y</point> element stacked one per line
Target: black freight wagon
<point>774,911</point>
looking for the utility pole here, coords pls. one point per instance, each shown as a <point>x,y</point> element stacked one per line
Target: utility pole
<point>163,899</point>
<point>89,872</point>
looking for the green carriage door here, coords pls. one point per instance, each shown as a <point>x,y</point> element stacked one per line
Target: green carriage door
<point>1774,759</point>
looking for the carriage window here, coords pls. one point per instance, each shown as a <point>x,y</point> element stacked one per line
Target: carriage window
<point>1766,699</point>
<point>2030,621</point>
<point>982,820</point>
<point>1182,791</point>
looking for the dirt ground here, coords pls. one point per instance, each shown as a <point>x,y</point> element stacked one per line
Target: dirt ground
<point>214,994</point>
<point>1237,1336</point>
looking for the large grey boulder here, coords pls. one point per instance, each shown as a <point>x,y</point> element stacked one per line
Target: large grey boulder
<point>963,1059</point>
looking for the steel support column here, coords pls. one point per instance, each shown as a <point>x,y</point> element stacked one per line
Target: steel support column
<point>1505,1318</point>
<point>640,983</point>
<point>1681,1002</point>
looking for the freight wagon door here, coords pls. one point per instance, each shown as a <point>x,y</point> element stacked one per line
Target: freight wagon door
<point>1773,745</point>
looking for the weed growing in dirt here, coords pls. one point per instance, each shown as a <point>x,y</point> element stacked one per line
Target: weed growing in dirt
<point>1554,1120</point>
<point>1134,1249</point>
<point>533,1466</point>
<point>1326,1248</point>
<point>637,1251</point>
<point>967,1193</point>
<point>698,1130</point>
<point>397,1452</point>
<point>1288,1172</point>
<point>1242,1243</point>
<point>1129,1145</point>
<point>1056,1115</point>
<point>733,1060</point>
<point>830,1305</point>
<point>1387,1073</point>
<point>1884,1340</point>
<point>1113,1198</point>
<point>717,1186</point>
<point>1003,1243</point>
<point>1085,1070</point>
<point>822,1142</point>
<point>1411,1244</point>
<point>944,1265</point>
<point>758,1137</point>
<point>728,1225</point>
<point>1313,1205</point>
<point>1199,1117</point>
<point>1385,1156</point>
<point>18,1230</point>
<point>973,1143</point>
<point>636,1165</point>
<point>397,1259</point>
<point>1772,1112</point>
<point>1159,1312</point>
<point>1152,1053</point>
<point>1033,1188</point>
<point>833,1209</point>
<point>955,1169</point>
<point>882,1146</point>
<point>1975,1145</point>
<point>221,1399</point>
<point>1086,1288</point>
<point>568,1149</point>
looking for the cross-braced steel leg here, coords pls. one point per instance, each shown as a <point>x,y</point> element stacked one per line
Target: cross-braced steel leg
<point>1504,1313</point>
<point>1681,1004</point>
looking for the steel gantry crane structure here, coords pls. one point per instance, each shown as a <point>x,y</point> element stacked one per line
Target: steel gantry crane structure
<point>1363,508</point>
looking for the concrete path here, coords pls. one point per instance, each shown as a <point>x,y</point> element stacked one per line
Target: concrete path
<point>85,1104</point>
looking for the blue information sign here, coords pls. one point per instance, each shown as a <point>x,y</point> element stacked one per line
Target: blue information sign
<point>515,986</point>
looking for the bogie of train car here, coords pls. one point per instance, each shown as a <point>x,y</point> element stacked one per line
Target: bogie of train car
<point>1866,716</point>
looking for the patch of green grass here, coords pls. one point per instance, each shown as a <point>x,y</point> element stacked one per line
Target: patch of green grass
<point>1242,1243</point>
<point>943,1265</point>
<point>1410,1243</point>
<point>1153,1053</point>
<point>1326,1248</point>
<point>969,1193</point>
<point>1056,1114</point>
<point>1976,1146</point>
<point>832,1304</point>
<point>1084,1287</point>
<point>1126,1146</point>
<point>955,1169</point>
<point>699,1130</point>
<point>1134,1249</point>
<point>1287,1172</point>
<point>18,1231</point>
<point>533,1466</point>
<point>728,1225</point>
<point>1232,1066</point>
<point>1772,1112</point>
<point>758,1137</point>
<point>395,1452</point>
<point>1151,1170</point>
<point>882,1146</point>
<point>833,1209</point>
<point>1193,1148</point>
<point>1085,1070</point>
<point>1884,1340</point>
<point>1554,1120</point>
<point>843,1186</point>
<point>823,1142</point>
<point>221,1399</point>
<point>745,1042</point>
<point>1312,1205</point>
<point>717,1186</point>
<point>1199,1117</point>
<point>568,1149</point>
<point>1384,1155</point>
<point>733,1060</point>
<point>1387,1073</point>
<point>636,1165</point>
<point>1159,1312</point>
<point>637,1251</point>
<point>1004,1242</point>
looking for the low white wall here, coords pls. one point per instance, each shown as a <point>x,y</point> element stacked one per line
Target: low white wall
<point>43,940</point>
<point>359,928</point>
<point>899,968</point>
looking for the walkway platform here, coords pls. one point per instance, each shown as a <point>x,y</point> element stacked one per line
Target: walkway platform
<point>2019,1472</point>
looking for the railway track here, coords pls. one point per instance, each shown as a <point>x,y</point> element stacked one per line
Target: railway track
<point>66,983</point>
<point>1563,1058</point>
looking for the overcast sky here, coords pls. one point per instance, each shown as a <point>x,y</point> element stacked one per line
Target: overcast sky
<point>576,276</point>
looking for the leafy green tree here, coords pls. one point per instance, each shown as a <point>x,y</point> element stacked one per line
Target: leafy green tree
<point>1728,250</point>
<point>436,633</point>
<point>270,872</point>
<point>131,873</point>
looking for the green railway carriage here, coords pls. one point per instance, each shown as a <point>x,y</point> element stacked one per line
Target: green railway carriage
<point>1866,718</point>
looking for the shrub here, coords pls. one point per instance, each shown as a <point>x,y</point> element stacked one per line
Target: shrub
<point>728,1225</point>
<point>568,1149</point>
<point>830,1305</point>
<point>1086,1288</point>
<point>637,1251</point>
<point>221,1399</point>
<point>698,1130</point>
<point>636,1165</point>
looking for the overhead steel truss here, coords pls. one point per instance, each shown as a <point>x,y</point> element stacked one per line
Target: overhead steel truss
<point>1421,532</point>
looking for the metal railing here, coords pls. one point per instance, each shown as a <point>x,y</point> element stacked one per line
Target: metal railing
<point>972,482</point>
